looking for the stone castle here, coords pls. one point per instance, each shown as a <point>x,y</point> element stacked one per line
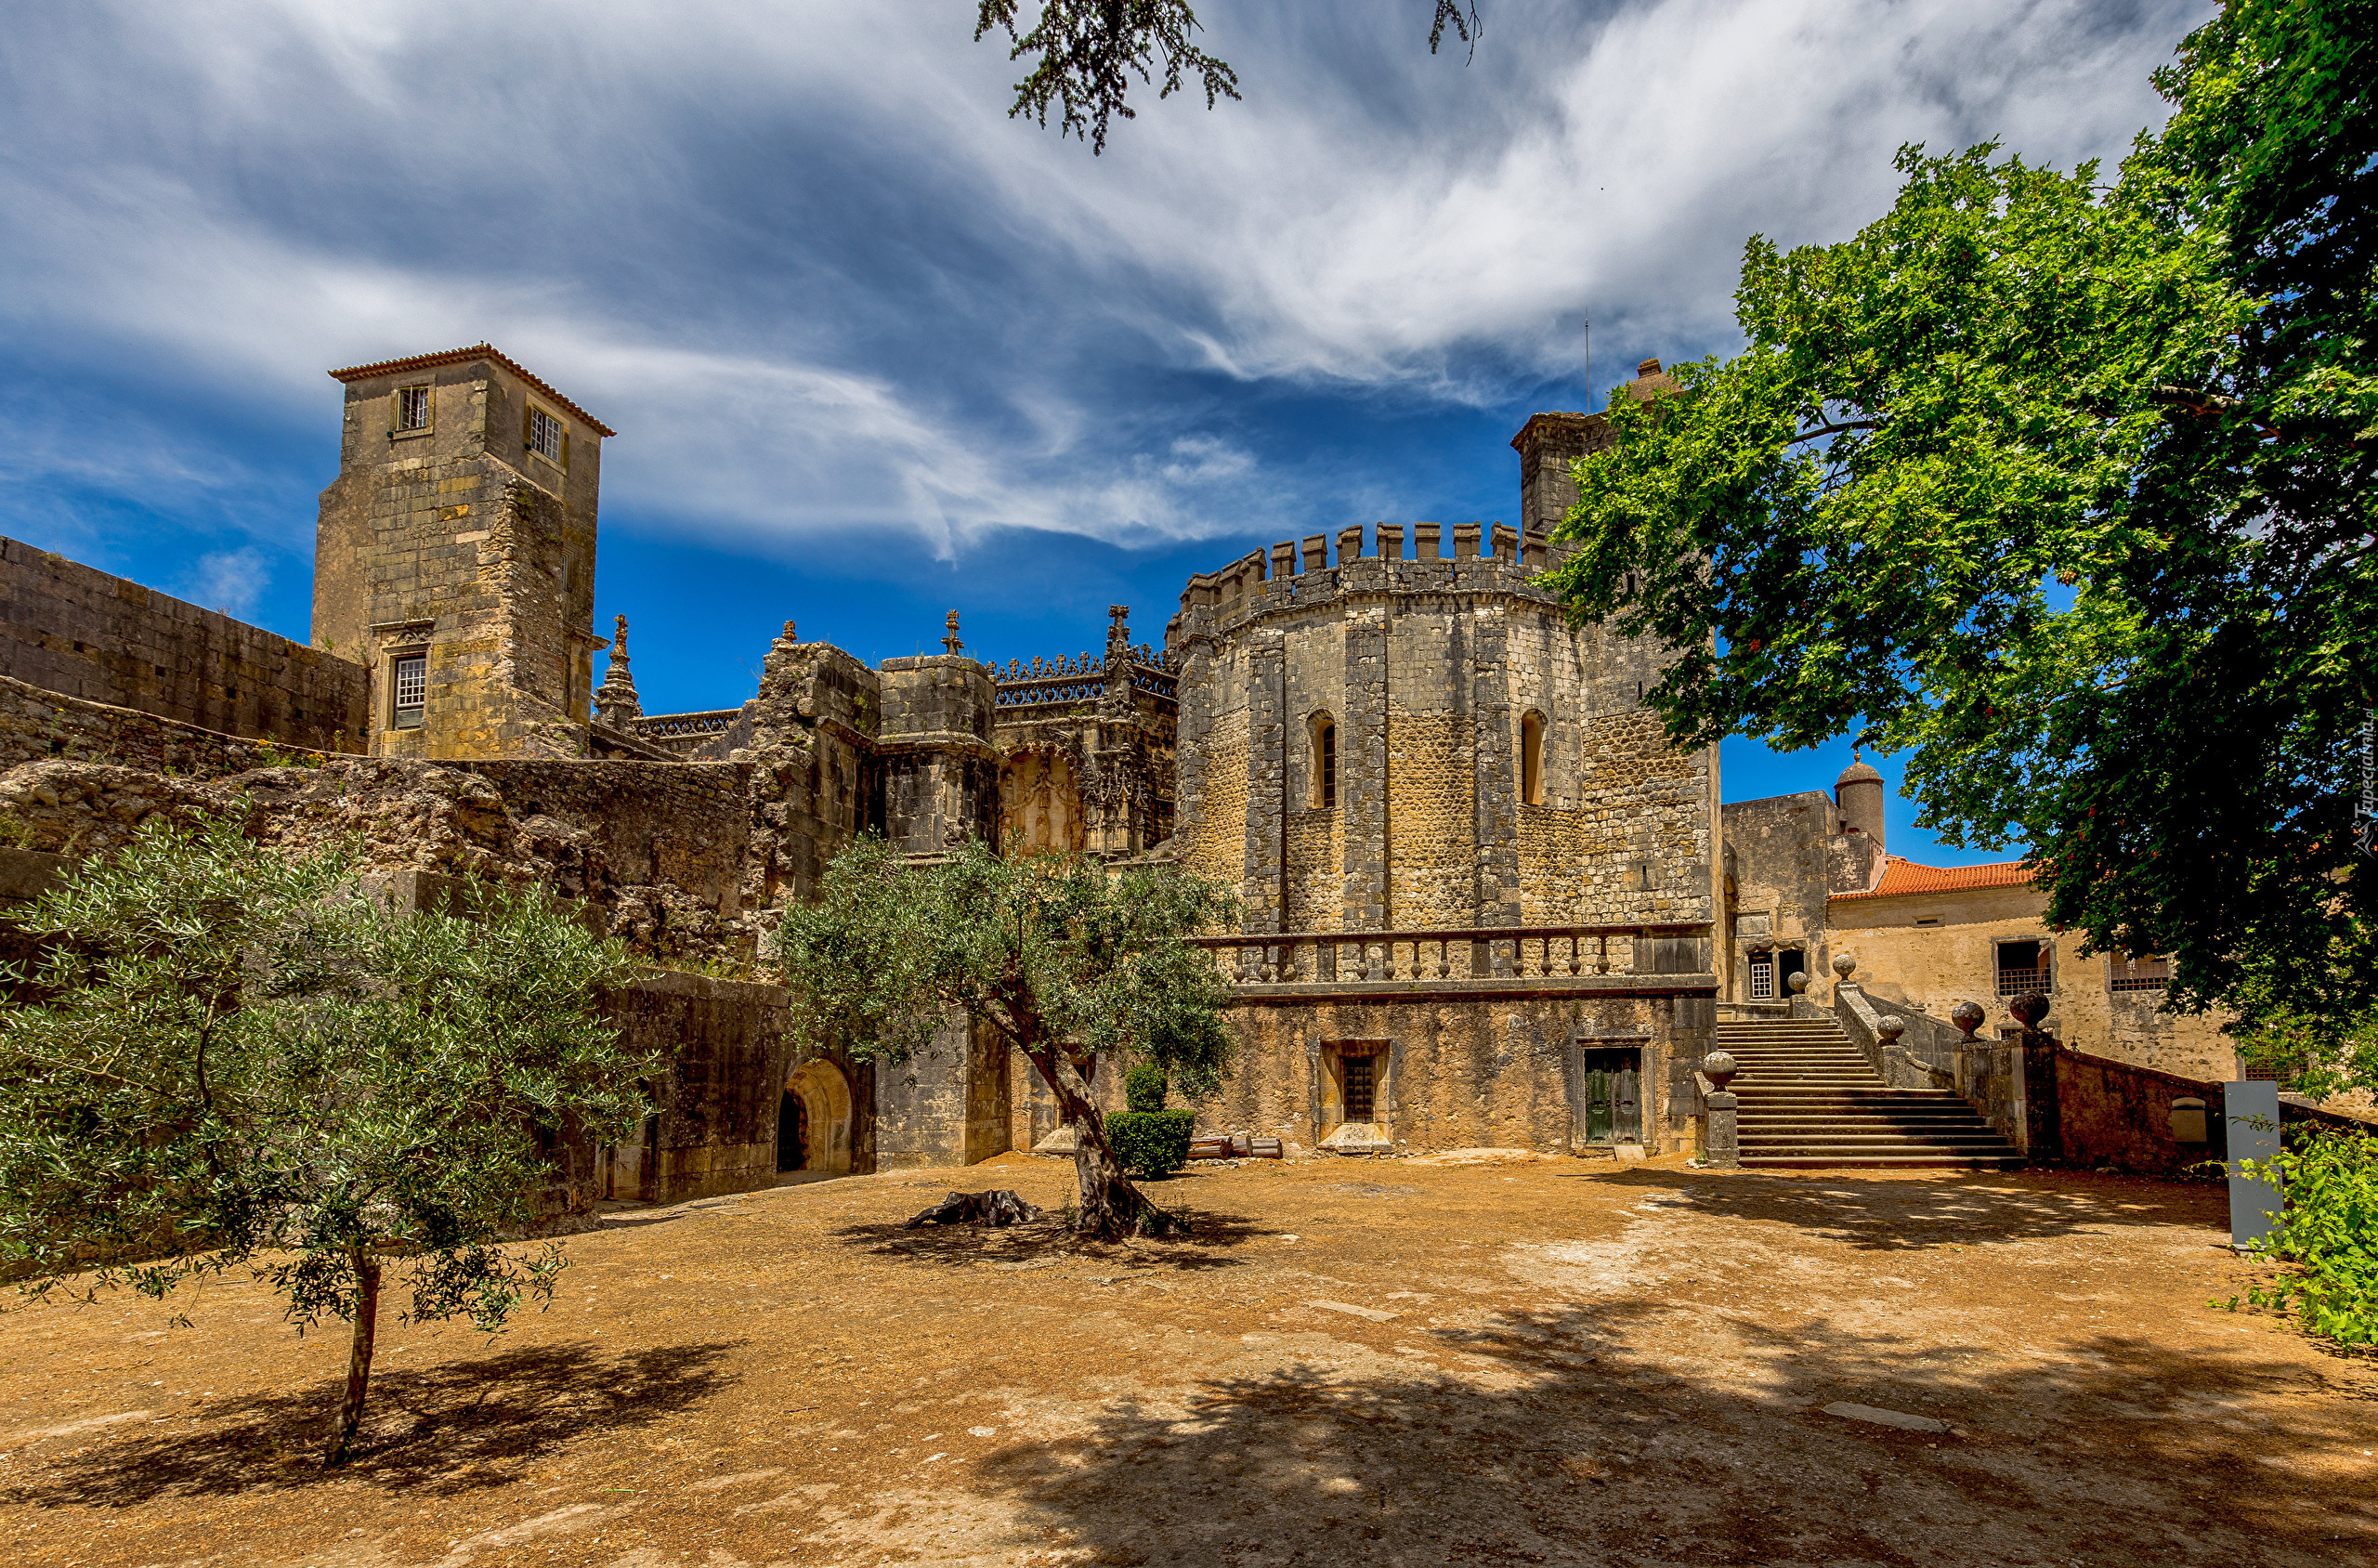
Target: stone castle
<point>1485,903</point>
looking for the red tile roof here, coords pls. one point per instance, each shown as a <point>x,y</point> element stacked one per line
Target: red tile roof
<point>457,356</point>
<point>1906,876</point>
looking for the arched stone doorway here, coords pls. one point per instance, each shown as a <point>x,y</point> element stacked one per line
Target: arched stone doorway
<point>814,1123</point>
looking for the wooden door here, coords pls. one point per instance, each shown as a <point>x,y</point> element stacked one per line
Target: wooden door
<point>1612,1083</point>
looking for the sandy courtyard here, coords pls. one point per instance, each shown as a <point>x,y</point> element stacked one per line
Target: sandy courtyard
<point>1389,1363</point>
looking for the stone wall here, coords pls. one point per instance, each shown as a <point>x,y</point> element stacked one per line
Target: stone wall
<point>1930,968</point>
<point>80,633</point>
<point>947,1104</point>
<point>1430,670</point>
<point>715,1128</point>
<point>1463,1071</point>
<point>1778,876</point>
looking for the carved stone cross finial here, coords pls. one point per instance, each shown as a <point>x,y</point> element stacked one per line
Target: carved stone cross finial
<point>950,643</point>
<point>789,635</point>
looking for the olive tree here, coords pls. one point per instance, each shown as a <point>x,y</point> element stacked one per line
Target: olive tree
<point>1069,963</point>
<point>226,1058</point>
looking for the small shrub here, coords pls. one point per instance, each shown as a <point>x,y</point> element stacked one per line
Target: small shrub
<point>1151,1142</point>
<point>1144,1087</point>
<point>2329,1231</point>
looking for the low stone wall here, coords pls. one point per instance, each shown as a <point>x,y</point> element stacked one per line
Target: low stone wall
<point>2113,1114</point>
<point>70,629</point>
<point>39,725</point>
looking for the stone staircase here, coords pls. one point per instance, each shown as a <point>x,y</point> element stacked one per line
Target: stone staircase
<point>1809,1100</point>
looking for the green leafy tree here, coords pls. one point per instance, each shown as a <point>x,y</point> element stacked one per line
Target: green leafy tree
<point>229,1059</point>
<point>2064,488</point>
<point>1086,52</point>
<point>1072,965</point>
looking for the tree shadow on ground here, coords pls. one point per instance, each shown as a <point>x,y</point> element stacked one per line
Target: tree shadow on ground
<point>1948,1210</point>
<point>444,1429</point>
<point>1563,1436</point>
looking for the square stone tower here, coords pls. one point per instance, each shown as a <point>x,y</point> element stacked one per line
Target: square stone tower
<point>455,556</point>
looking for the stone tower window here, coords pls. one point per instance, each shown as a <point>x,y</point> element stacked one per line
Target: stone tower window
<point>413,407</point>
<point>409,685</point>
<point>1762,977</point>
<point>1532,759</point>
<point>545,436</point>
<point>1325,762</point>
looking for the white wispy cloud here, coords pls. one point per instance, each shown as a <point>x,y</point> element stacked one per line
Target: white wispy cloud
<point>802,259</point>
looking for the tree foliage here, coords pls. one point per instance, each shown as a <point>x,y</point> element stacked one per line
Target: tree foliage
<point>1087,51</point>
<point>1074,966</point>
<point>227,1059</point>
<point>2063,488</point>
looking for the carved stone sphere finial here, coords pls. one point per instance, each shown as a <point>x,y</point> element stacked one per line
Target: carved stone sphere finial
<point>1797,980</point>
<point>1967,1016</point>
<point>2028,1009</point>
<point>1719,1068</point>
<point>1891,1026</point>
<point>1843,963</point>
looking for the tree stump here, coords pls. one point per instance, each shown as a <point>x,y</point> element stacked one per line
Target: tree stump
<point>997,1207</point>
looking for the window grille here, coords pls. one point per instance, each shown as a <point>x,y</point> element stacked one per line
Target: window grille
<point>2022,966</point>
<point>1361,1087</point>
<point>413,407</point>
<point>2146,973</point>
<point>411,680</point>
<point>544,434</point>
<point>1762,977</point>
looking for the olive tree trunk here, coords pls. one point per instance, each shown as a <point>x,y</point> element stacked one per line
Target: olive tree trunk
<point>359,1359</point>
<point>1109,1208</point>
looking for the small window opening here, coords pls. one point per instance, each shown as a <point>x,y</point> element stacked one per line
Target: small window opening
<point>1324,765</point>
<point>1762,977</point>
<point>409,683</point>
<point>2146,972</point>
<point>545,435</point>
<point>1362,1087</point>
<point>1532,760</point>
<point>2021,967</point>
<point>413,407</point>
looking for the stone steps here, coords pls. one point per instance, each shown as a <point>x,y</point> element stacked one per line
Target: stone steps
<point>1807,1100</point>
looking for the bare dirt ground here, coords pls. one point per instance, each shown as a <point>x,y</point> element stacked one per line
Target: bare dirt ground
<point>1549,1362</point>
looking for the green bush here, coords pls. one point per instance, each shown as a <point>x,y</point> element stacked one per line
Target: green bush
<point>1144,1087</point>
<point>2329,1232</point>
<point>1151,1142</point>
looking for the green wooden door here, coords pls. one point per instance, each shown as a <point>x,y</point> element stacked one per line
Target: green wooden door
<point>1613,1085</point>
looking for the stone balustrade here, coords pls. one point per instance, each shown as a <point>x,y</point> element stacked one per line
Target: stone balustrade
<point>1547,953</point>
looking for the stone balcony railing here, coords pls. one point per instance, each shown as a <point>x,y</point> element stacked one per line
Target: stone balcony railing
<point>1469,958</point>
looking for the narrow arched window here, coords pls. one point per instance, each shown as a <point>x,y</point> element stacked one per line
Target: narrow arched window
<point>1532,759</point>
<point>1325,762</point>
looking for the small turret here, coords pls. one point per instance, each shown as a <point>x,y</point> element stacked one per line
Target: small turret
<point>1857,794</point>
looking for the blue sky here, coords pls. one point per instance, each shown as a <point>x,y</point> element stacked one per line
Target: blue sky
<point>874,350</point>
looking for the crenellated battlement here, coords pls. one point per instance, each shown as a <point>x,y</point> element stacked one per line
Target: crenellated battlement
<point>1474,556</point>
